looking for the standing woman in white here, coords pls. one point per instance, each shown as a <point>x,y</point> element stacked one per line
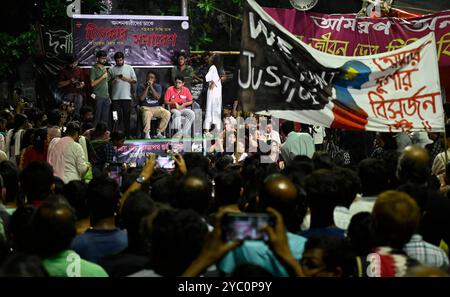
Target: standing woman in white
<point>213,96</point>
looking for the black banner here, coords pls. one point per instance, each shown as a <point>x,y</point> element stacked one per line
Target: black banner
<point>276,72</point>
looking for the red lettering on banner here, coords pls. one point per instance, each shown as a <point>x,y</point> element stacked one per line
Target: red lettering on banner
<point>155,39</point>
<point>400,59</point>
<point>402,124</point>
<point>397,108</point>
<point>93,32</point>
<point>401,79</point>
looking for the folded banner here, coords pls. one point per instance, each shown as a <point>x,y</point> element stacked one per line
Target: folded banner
<point>284,77</point>
<point>145,40</point>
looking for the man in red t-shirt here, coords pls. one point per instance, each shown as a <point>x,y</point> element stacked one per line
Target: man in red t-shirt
<point>178,97</point>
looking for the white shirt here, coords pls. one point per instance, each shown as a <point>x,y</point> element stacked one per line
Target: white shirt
<point>297,144</point>
<point>121,89</point>
<point>362,204</point>
<point>75,164</point>
<point>439,163</point>
<point>341,217</point>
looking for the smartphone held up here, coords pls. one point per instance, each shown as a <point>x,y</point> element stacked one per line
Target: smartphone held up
<point>246,226</point>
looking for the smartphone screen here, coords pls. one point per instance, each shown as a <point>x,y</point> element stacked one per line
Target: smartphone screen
<point>166,162</point>
<point>246,226</point>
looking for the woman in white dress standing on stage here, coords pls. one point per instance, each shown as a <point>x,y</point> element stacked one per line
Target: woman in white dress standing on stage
<point>213,97</point>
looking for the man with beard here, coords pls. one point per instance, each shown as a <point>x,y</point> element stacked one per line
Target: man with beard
<point>99,84</point>
<point>122,76</point>
<point>184,70</point>
<point>71,81</point>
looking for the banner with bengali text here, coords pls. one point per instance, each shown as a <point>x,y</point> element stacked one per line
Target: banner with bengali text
<point>136,152</point>
<point>145,40</point>
<point>283,77</point>
<point>352,35</point>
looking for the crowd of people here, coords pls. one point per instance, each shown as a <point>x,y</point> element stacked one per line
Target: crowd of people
<point>335,209</point>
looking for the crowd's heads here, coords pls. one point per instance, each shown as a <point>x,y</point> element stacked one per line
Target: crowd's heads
<point>350,185</point>
<point>118,138</point>
<point>280,193</point>
<point>20,121</point>
<point>322,160</point>
<point>103,196</point>
<point>396,218</point>
<point>75,193</point>
<point>327,257</point>
<point>3,123</point>
<point>196,161</point>
<point>10,174</point>
<point>22,265</point>
<point>137,206</point>
<point>54,117</point>
<point>164,190</point>
<point>413,165</point>
<point>100,129</point>
<point>21,229</point>
<point>373,176</point>
<point>87,114</point>
<point>287,127</point>
<point>36,181</point>
<point>323,195</point>
<point>386,140</point>
<point>176,238</point>
<point>73,129</point>
<point>360,233</point>
<point>195,192</point>
<point>39,140</point>
<point>228,188</point>
<point>54,227</point>
<point>298,168</point>
<point>223,162</point>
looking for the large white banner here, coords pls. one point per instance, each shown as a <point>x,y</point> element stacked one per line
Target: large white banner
<point>284,77</point>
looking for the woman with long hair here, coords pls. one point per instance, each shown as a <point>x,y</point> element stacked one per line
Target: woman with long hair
<point>37,151</point>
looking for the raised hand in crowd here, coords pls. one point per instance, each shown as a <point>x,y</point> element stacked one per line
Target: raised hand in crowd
<point>181,164</point>
<point>146,173</point>
<point>278,242</point>
<point>213,249</point>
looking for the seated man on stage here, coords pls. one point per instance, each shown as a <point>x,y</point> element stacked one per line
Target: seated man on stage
<point>149,95</point>
<point>178,97</point>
